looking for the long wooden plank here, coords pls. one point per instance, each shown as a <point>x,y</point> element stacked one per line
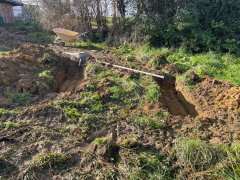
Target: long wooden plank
<point>122,67</point>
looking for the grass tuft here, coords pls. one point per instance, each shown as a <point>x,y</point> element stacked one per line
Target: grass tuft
<point>51,160</point>
<point>196,155</point>
<point>153,93</point>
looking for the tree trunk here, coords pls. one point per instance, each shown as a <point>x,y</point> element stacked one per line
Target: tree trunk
<point>114,8</point>
<point>121,7</point>
<point>98,17</point>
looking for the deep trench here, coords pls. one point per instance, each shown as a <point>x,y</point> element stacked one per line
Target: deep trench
<point>71,83</point>
<point>173,100</point>
<point>70,79</point>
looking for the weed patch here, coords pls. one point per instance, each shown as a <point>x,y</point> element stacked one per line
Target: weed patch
<point>11,125</point>
<point>49,75</point>
<point>47,58</point>
<point>23,99</point>
<point>152,93</point>
<point>231,168</point>
<point>143,165</point>
<point>4,50</point>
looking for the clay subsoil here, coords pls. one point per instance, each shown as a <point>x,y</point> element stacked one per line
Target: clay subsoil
<point>210,111</point>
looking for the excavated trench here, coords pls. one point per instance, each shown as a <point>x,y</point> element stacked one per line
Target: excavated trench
<point>173,100</point>
<point>69,78</point>
<point>71,82</point>
<point>74,74</point>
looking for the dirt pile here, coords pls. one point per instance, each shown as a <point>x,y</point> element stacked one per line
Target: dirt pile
<point>230,99</point>
<point>33,68</point>
<point>201,100</point>
<point>214,108</point>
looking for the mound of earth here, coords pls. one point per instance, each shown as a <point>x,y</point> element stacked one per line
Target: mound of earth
<point>229,99</point>
<point>214,108</point>
<point>201,101</point>
<point>33,68</point>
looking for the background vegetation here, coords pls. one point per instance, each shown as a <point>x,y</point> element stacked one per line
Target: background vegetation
<point>198,26</point>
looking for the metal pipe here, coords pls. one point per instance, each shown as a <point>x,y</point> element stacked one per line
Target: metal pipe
<point>122,67</point>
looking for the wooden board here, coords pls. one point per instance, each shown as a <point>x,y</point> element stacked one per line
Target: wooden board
<point>6,11</point>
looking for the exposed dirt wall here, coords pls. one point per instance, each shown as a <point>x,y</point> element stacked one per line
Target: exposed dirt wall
<point>28,70</point>
<point>201,100</point>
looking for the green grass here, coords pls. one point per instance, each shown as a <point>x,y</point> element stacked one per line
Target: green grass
<point>203,160</point>
<point>231,168</point>
<point>217,65</point>
<point>95,46</point>
<point>90,109</point>
<point>146,123</point>
<point>45,36</point>
<point>185,78</point>
<point>49,75</point>
<point>143,165</point>
<point>27,24</point>
<point>51,160</point>
<point>220,66</point>
<point>130,92</point>
<point>146,52</point>
<point>196,154</point>
<point>153,93</point>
